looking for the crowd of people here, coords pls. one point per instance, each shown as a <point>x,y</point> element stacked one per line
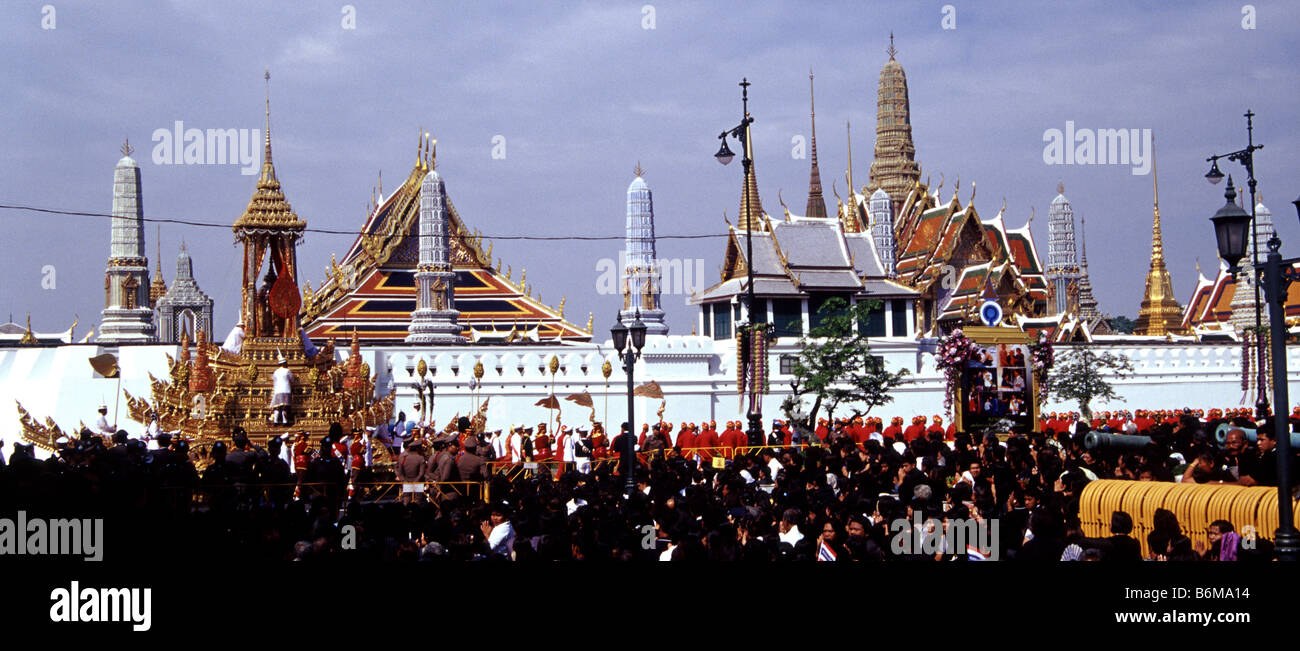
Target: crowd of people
<point>845,490</point>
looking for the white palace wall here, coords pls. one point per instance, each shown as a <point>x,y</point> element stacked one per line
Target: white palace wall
<point>697,375</point>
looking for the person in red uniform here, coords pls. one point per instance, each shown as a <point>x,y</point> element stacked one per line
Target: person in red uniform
<point>936,427</point>
<point>917,428</point>
<point>823,430</point>
<point>542,444</point>
<point>895,430</point>
<point>357,453</point>
<point>731,439</point>
<point>950,434</point>
<point>705,444</point>
<point>599,442</point>
<point>1142,421</point>
<point>301,457</point>
<point>686,441</point>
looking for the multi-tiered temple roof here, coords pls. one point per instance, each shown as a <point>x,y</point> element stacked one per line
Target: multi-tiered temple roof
<point>372,290</point>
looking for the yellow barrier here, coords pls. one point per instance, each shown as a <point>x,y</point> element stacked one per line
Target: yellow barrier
<point>1195,505</point>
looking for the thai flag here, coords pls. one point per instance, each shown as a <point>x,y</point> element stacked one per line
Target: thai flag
<point>824,552</point>
<point>973,553</point>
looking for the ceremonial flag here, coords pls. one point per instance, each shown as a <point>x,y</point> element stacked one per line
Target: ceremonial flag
<point>649,390</point>
<point>549,402</point>
<point>105,365</point>
<point>582,399</point>
<point>824,552</point>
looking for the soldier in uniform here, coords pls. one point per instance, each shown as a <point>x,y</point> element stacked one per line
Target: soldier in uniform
<point>301,458</point>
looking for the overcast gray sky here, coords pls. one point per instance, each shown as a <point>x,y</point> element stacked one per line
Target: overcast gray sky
<point>582,92</point>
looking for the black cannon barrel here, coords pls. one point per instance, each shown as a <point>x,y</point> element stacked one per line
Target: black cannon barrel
<point>1124,442</point>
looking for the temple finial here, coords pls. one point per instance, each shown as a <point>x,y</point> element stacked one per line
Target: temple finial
<point>639,172</point>
<point>127,149</point>
<point>848,136</point>
<point>892,50</point>
<point>1060,187</point>
<point>267,77</point>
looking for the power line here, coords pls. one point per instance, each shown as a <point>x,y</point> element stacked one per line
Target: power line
<point>326,231</point>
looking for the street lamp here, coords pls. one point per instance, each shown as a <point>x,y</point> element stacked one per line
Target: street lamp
<point>1230,231</point>
<point>1247,158</point>
<point>629,356</point>
<point>724,156</point>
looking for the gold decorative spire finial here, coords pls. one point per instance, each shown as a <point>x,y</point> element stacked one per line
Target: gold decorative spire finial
<point>433,153</point>
<point>267,77</point>
<point>381,181</point>
<point>127,149</point>
<point>892,50</point>
<point>28,338</point>
<point>1159,314</point>
<point>639,172</point>
<point>1060,187</point>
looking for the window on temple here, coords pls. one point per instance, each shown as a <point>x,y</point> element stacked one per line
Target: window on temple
<point>708,320</point>
<point>721,321</point>
<point>874,324</point>
<point>815,302</point>
<point>787,364</point>
<point>787,317</point>
<point>898,308</point>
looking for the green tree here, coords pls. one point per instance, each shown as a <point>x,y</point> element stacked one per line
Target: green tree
<point>835,366</point>
<point>1082,376</point>
<point>1122,324</point>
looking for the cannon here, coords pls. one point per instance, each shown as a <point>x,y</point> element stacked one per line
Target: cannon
<point>1119,442</point>
<point>1221,435</point>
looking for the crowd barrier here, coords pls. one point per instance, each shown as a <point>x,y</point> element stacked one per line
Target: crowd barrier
<point>1195,505</point>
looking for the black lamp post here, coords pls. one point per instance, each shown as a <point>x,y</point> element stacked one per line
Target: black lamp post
<point>1247,158</point>
<point>724,156</point>
<point>629,356</point>
<point>1231,224</point>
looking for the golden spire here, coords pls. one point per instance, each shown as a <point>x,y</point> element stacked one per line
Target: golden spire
<point>638,171</point>
<point>28,338</point>
<point>157,288</point>
<point>127,149</point>
<point>267,155</point>
<point>892,50</point>
<point>1160,314</point>
<point>751,205</point>
<point>268,208</point>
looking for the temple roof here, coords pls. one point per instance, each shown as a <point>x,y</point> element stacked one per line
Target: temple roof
<point>373,288</point>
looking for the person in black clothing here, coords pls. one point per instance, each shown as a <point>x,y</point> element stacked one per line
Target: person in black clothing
<point>1122,546</point>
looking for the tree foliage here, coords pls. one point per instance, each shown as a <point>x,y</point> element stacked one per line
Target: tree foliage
<point>1122,324</point>
<point>1081,375</point>
<point>836,367</point>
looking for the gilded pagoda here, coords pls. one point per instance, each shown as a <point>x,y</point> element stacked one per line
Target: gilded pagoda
<point>212,389</point>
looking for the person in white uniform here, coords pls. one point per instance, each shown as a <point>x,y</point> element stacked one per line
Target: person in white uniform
<point>281,392</point>
<point>101,423</point>
<point>235,340</point>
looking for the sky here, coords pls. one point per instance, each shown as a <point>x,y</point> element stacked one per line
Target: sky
<point>542,111</point>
